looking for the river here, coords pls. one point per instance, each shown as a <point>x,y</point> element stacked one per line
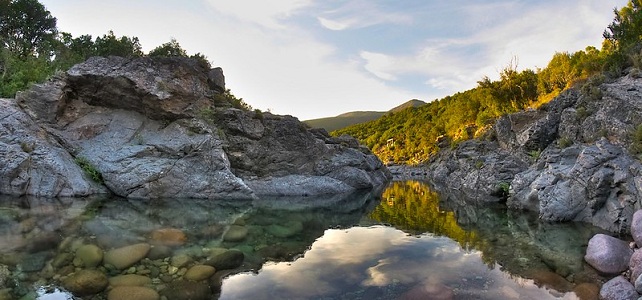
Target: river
<point>399,243</point>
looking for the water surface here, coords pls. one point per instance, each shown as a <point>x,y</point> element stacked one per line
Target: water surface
<point>404,243</point>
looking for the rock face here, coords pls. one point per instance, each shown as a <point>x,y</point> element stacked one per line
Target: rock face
<point>161,127</point>
<point>570,160</point>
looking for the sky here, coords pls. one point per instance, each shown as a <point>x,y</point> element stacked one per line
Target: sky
<point>320,58</point>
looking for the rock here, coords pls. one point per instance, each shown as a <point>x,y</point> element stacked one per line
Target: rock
<point>159,252</point>
<point>636,227</point>
<point>286,230</point>
<point>638,284</point>
<point>129,280</point>
<point>587,291</point>
<point>132,293</point>
<point>235,233</point>
<point>125,257</point>
<point>90,255</point>
<point>34,163</point>
<point>35,262</point>
<point>229,259</point>
<point>187,290</point>
<point>86,282</point>
<point>635,264</point>
<point>607,254</point>
<point>61,260</point>
<point>160,128</point>
<point>199,272</point>
<point>168,237</point>
<point>180,260</point>
<point>4,275</point>
<point>618,288</point>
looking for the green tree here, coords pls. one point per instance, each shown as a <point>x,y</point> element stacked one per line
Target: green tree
<point>124,46</point>
<point>25,25</point>
<point>169,49</point>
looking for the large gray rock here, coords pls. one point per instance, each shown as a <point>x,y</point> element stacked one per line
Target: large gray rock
<point>607,254</point>
<point>618,288</point>
<point>478,171</point>
<point>595,183</point>
<point>163,127</point>
<point>33,162</point>
<point>636,227</point>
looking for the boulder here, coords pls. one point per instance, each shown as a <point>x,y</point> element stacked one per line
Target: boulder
<point>125,257</point>
<point>199,272</point>
<point>235,233</point>
<point>607,254</point>
<point>132,293</point>
<point>165,128</point>
<point>90,255</point>
<point>168,237</point>
<point>636,227</point>
<point>618,288</point>
<point>129,280</point>
<point>225,260</point>
<point>86,282</point>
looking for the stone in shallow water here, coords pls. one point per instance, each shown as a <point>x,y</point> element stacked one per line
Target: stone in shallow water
<point>132,293</point>
<point>125,257</point>
<point>129,280</point>
<point>199,272</point>
<point>159,252</point>
<point>607,254</point>
<point>187,290</point>
<point>168,237</point>
<point>229,259</point>
<point>180,260</point>
<point>287,230</point>
<point>35,262</point>
<point>235,233</point>
<point>90,255</point>
<point>587,291</point>
<point>86,282</point>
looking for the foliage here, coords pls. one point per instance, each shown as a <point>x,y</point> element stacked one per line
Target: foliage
<point>503,189</point>
<point>535,154</point>
<point>124,46</point>
<point>25,27</point>
<point>564,142</point>
<point>89,169</point>
<point>169,49</point>
<point>414,208</point>
<point>228,98</point>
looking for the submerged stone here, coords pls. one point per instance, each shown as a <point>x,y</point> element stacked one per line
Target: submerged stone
<point>125,257</point>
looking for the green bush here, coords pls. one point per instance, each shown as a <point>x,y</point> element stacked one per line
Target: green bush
<point>89,169</point>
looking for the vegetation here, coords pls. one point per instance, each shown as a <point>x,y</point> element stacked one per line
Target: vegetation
<point>89,169</point>
<point>33,49</point>
<point>411,136</point>
<point>414,208</point>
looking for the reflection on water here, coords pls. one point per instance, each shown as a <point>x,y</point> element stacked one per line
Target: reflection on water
<point>404,243</point>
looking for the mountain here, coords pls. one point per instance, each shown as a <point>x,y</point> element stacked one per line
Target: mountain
<point>356,117</point>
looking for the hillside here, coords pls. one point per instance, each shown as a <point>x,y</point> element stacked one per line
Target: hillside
<point>344,120</point>
<point>356,117</point>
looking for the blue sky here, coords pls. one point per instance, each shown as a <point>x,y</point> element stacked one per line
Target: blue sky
<point>313,58</point>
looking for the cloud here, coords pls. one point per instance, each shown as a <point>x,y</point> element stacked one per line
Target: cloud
<point>360,14</point>
<point>265,13</point>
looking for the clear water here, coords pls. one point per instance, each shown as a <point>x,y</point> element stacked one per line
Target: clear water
<point>403,243</point>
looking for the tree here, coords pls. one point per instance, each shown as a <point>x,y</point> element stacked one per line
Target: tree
<point>124,46</point>
<point>169,49</point>
<point>25,25</point>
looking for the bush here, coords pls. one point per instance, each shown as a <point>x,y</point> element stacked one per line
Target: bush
<point>89,169</point>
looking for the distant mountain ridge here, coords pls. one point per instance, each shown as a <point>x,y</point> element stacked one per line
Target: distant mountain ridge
<point>356,117</point>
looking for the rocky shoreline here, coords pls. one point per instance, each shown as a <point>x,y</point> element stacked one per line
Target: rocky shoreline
<point>164,127</point>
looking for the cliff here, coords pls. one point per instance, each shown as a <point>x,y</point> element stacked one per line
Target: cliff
<point>161,127</point>
<point>574,159</point>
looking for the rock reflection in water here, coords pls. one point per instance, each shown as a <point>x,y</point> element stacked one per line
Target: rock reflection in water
<point>436,250</point>
<point>409,245</point>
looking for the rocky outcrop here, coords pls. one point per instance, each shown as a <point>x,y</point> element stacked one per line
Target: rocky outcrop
<point>571,160</point>
<point>161,127</point>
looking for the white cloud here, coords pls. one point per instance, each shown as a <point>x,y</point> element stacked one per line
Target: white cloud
<point>359,14</point>
<point>265,13</point>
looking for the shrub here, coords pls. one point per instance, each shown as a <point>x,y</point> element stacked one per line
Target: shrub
<point>89,169</point>
<point>564,142</point>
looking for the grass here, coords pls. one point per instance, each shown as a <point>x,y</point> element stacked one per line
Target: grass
<point>535,154</point>
<point>89,169</point>
<point>564,142</point>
